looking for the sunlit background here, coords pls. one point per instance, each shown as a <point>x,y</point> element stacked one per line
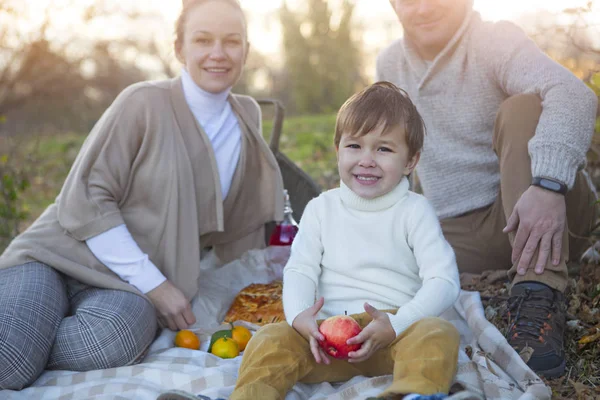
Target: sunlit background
<point>376,17</point>
<point>63,62</point>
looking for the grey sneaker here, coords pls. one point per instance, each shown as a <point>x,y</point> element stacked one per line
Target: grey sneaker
<point>182,395</point>
<point>537,319</point>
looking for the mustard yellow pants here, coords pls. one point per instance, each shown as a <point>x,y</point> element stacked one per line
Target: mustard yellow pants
<point>422,359</point>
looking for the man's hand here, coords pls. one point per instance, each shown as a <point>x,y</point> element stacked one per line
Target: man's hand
<point>377,335</point>
<point>539,219</point>
<point>306,325</point>
<point>172,308</point>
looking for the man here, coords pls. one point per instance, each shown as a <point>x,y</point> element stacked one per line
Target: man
<point>508,132</point>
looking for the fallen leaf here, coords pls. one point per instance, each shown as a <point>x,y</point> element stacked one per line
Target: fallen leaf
<point>574,305</point>
<point>589,338</point>
<point>490,313</point>
<point>583,391</point>
<point>469,351</point>
<point>574,325</point>
<point>526,353</point>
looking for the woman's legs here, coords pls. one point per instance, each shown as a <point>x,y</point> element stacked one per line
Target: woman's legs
<point>33,302</point>
<point>47,323</point>
<point>105,329</point>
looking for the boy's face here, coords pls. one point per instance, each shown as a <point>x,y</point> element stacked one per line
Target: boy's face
<point>374,164</point>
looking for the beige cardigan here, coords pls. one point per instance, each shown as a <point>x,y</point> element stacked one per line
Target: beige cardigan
<point>148,164</point>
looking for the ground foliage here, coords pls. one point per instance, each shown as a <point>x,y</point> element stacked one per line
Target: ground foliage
<point>582,340</point>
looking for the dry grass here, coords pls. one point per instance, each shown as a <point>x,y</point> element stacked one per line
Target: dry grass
<point>582,378</point>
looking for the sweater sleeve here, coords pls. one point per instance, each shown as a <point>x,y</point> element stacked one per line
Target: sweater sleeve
<point>569,107</point>
<point>437,268</point>
<point>117,249</point>
<point>302,271</point>
<point>88,203</point>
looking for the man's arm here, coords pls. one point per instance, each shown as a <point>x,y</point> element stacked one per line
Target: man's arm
<point>566,125</point>
<point>559,146</point>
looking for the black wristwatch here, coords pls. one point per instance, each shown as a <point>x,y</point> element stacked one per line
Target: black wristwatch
<point>550,184</point>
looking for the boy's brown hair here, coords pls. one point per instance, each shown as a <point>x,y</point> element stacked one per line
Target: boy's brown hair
<point>381,103</point>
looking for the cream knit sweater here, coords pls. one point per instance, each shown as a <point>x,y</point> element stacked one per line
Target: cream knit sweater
<point>458,95</point>
<point>388,251</point>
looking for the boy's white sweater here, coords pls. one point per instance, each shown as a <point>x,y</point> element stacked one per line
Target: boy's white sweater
<point>388,251</point>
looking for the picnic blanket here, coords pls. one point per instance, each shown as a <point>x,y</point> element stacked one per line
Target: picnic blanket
<point>487,364</point>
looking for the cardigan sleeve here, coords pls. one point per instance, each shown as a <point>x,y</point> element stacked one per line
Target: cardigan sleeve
<point>566,125</point>
<point>302,271</point>
<point>437,268</point>
<point>88,203</point>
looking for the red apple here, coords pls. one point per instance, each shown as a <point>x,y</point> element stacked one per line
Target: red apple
<point>336,331</point>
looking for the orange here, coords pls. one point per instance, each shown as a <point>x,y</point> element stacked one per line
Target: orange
<point>225,348</point>
<point>241,335</point>
<point>187,339</point>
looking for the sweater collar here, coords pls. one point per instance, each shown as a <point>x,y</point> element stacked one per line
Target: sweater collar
<point>425,70</point>
<point>380,203</point>
<point>203,104</point>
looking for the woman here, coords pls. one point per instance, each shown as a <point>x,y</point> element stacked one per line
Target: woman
<point>172,168</point>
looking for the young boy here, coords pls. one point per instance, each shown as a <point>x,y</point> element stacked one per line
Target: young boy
<point>370,245</point>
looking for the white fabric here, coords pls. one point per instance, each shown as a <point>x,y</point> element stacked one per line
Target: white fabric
<point>214,114</point>
<point>117,249</point>
<point>388,251</point>
<point>458,96</point>
<point>494,369</point>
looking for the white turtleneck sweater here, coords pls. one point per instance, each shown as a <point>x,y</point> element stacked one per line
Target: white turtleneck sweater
<point>116,248</point>
<point>388,251</point>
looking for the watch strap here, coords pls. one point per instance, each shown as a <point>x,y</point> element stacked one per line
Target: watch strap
<point>550,184</point>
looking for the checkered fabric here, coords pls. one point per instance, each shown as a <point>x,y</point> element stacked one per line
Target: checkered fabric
<point>48,321</point>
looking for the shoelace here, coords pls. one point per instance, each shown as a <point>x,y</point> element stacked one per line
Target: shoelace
<point>536,323</point>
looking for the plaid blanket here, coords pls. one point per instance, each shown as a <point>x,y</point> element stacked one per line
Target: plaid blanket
<point>487,364</point>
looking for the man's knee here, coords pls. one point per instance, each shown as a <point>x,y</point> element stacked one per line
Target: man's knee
<point>520,115</point>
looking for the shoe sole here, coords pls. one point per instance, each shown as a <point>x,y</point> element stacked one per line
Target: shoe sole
<point>177,395</point>
<point>555,372</point>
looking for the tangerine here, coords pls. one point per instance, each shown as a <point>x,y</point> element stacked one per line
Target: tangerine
<point>187,339</point>
<point>241,335</point>
<point>225,348</point>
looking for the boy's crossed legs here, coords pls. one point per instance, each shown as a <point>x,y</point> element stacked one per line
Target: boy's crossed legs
<point>423,359</point>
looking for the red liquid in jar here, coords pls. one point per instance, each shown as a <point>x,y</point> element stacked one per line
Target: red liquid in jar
<point>283,235</point>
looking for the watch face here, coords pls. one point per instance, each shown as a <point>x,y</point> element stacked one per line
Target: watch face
<point>550,185</point>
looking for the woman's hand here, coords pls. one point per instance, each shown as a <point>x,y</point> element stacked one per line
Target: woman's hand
<point>173,309</point>
<point>306,325</point>
<point>376,335</point>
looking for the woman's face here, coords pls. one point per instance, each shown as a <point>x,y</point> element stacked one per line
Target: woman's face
<point>214,46</point>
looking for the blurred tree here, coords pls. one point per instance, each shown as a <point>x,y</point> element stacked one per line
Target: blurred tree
<point>51,82</point>
<point>322,58</point>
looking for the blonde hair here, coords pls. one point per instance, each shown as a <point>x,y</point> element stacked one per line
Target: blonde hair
<point>188,5</point>
<point>381,103</point>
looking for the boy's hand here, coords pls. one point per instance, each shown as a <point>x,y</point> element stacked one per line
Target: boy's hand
<point>306,325</point>
<point>376,335</point>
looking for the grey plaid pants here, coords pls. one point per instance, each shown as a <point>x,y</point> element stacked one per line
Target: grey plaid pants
<point>49,321</point>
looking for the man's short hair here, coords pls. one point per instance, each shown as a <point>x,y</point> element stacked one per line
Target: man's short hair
<point>381,103</point>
